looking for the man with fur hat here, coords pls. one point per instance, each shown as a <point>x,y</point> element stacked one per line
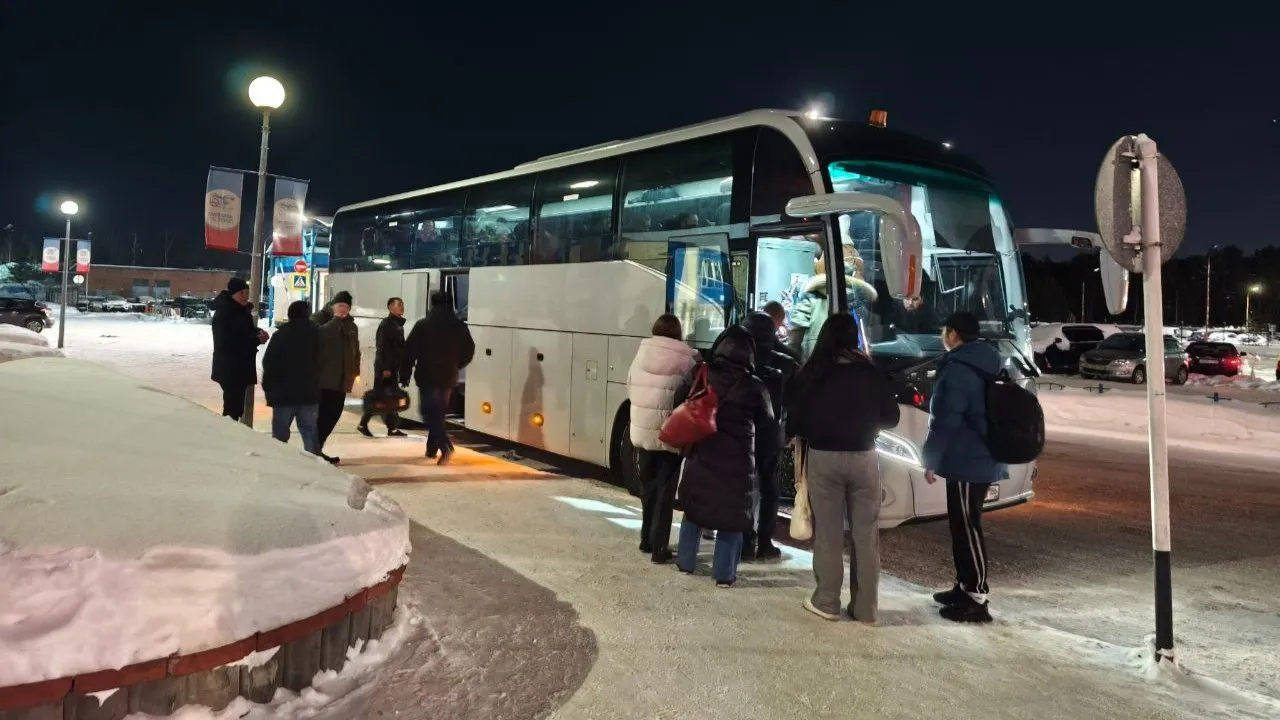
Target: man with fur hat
<point>235,346</point>
<point>339,362</point>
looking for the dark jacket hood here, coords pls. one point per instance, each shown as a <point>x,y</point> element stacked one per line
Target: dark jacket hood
<point>736,347</point>
<point>762,330</point>
<point>978,354</point>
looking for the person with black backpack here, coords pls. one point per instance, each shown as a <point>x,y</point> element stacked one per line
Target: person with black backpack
<point>956,451</point>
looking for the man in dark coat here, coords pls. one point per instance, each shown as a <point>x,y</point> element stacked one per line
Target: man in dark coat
<point>339,362</point>
<point>716,491</point>
<point>439,346</point>
<point>775,368</point>
<point>291,377</point>
<point>235,346</point>
<point>387,359</point>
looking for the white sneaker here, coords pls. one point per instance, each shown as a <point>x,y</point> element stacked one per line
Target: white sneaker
<point>808,605</point>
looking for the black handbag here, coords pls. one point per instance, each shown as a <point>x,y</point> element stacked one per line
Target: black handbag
<point>387,399</point>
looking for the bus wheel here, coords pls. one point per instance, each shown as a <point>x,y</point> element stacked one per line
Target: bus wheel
<point>624,461</point>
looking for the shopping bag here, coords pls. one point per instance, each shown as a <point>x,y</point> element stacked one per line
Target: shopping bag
<point>801,514</point>
<point>386,399</point>
<point>695,419</point>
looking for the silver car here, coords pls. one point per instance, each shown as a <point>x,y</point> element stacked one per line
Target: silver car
<point>1123,356</point>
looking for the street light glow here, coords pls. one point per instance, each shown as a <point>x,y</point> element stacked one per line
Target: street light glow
<point>69,207</point>
<point>266,92</point>
<point>1255,288</point>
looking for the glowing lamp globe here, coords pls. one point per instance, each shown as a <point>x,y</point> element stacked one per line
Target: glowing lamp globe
<point>266,93</point>
<point>69,207</point>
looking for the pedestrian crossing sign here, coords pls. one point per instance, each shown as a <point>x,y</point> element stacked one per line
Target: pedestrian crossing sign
<point>299,281</point>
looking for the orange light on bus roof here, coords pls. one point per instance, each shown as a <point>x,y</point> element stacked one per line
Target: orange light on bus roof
<point>880,118</point>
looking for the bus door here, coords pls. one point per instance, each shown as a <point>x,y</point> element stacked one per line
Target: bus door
<point>457,283</point>
<point>699,285</point>
<point>786,263</point>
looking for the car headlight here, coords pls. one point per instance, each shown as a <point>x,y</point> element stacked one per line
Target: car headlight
<point>898,448</point>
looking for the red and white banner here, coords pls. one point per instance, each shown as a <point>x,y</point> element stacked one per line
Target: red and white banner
<point>287,217</point>
<point>82,256</point>
<point>49,257</point>
<point>222,210</point>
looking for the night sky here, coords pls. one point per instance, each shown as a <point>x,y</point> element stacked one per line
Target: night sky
<point>126,113</point>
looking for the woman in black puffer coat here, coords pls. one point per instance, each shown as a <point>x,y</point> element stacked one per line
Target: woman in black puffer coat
<point>716,488</point>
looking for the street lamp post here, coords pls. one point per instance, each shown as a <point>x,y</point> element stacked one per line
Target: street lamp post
<point>69,208</point>
<point>266,94</point>
<point>1247,297</point>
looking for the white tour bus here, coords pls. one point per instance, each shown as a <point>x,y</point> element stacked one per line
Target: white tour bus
<point>561,265</point>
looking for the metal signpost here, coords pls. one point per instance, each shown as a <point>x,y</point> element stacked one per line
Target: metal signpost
<point>1142,216</point>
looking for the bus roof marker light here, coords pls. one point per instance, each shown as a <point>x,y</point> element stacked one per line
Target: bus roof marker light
<point>584,184</point>
<point>947,144</point>
<point>814,112</point>
<point>879,118</point>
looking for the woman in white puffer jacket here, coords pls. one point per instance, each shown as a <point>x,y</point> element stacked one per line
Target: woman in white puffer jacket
<point>662,366</point>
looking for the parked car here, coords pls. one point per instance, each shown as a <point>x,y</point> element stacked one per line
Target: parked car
<point>116,303</point>
<point>25,312</point>
<point>90,303</point>
<point>1214,358</point>
<point>1123,357</point>
<point>1058,346</point>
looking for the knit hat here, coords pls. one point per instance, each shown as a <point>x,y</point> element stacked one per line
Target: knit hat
<point>235,285</point>
<point>342,297</point>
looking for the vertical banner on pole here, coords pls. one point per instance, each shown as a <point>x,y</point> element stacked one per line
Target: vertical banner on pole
<point>82,256</point>
<point>286,217</point>
<point>222,210</point>
<point>51,255</point>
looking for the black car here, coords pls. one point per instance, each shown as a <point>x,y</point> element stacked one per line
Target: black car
<point>1214,358</point>
<point>25,312</point>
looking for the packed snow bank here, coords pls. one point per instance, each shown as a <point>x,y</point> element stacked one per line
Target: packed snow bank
<point>135,524</point>
<point>1238,381</point>
<point>1192,422</point>
<point>17,343</point>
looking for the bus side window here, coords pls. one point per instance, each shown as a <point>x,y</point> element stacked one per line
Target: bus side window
<point>574,209</point>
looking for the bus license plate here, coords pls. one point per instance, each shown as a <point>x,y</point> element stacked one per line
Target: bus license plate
<point>993,493</point>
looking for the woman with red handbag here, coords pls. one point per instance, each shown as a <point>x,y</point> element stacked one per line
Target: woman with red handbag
<point>661,368</point>
<point>723,409</point>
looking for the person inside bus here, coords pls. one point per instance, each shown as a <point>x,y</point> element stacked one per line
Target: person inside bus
<point>809,314</point>
<point>663,365</point>
<point>778,313</point>
<point>837,404</point>
<point>716,490</point>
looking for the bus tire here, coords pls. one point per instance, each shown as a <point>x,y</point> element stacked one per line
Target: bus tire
<point>623,460</point>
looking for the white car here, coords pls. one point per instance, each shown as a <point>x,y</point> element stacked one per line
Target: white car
<point>115,303</point>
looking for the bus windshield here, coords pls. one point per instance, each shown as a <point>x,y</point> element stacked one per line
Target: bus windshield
<point>970,262</point>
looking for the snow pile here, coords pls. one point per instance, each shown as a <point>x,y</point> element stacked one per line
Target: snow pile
<point>17,343</point>
<point>135,524</point>
<point>1236,381</point>
<point>1192,422</point>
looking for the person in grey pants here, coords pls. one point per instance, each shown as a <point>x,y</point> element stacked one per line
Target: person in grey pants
<point>838,403</point>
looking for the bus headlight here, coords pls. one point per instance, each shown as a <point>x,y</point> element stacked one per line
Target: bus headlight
<point>898,448</point>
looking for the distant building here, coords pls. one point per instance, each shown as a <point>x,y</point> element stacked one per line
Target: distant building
<point>133,281</point>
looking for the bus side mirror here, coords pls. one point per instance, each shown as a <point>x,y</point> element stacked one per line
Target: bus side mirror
<point>901,246</point>
<point>1115,283</point>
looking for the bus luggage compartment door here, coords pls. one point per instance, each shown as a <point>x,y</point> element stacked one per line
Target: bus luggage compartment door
<point>541,370</point>
<point>488,397</point>
<point>589,426</point>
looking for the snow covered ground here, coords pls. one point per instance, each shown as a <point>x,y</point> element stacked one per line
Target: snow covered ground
<point>135,525</point>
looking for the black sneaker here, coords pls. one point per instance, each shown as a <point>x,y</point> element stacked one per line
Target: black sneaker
<point>768,553</point>
<point>646,548</point>
<point>967,612</point>
<point>364,430</point>
<point>662,556</point>
<point>954,596</point>
<point>396,433</point>
<point>331,459</point>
